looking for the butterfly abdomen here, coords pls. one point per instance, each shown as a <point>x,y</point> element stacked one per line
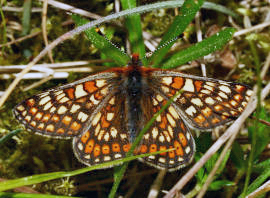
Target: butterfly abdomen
<point>134,89</point>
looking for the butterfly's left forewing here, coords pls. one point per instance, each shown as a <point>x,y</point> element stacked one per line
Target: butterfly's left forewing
<point>66,110</point>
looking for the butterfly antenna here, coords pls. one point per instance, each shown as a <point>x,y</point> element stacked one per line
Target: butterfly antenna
<point>161,46</point>
<point>101,34</point>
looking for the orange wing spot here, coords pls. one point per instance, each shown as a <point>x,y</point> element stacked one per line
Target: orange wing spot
<point>143,148</point>
<point>153,148</point>
<point>81,100</point>
<point>50,128</point>
<point>109,108</point>
<point>96,150</point>
<point>171,153</point>
<point>172,93</point>
<point>182,126</point>
<point>215,120</point>
<point>240,88</point>
<point>33,110</point>
<point>66,120</point>
<point>179,149</point>
<point>116,147</point>
<point>178,82</point>
<point>182,139</point>
<point>238,97</point>
<point>198,85</point>
<point>55,118</point>
<point>90,86</point>
<point>89,146</point>
<point>38,116</point>
<point>206,111</point>
<point>163,123</point>
<point>30,102</point>
<point>98,96</point>
<point>104,122</point>
<point>70,93</point>
<point>227,105</point>
<point>163,148</point>
<point>75,126</point>
<point>46,117</point>
<point>199,119</point>
<point>126,147</point>
<point>218,107</point>
<point>105,149</point>
<point>60,131</point>
<point>85,137</point>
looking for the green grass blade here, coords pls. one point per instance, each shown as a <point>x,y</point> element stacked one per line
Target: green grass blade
<point>34,179</point>
<point>27,5</point>
<point>187,14</point>
<point>134,28</point>
<point>28,195</point>
<point>103,44</point>
<point>200,49</point>
<point>9,135</point>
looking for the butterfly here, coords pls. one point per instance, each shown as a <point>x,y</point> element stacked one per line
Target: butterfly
<point>104,113</point>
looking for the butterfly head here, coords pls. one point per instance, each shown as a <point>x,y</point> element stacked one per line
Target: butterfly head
<point>135,60</point>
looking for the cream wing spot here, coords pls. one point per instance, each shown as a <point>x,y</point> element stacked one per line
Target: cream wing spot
<point>167,80</point>
<point>63,100</point>
<point>74,108</point>
<point>79,91</point>
<point>104,91</point>
<point>190,110</point>
<point>110,116</point>
<point>20,108</point>
<point>189,86</point>
<point>106,137</point>
<point>59,97</point>
<point>225,89</point>
<point>173,112</point>
<point>211,84</point>
<point>62,110</point>
<point>154,132</point>
<point>92,99</point>
<point>159,98</point>
<point>96,119</point>
<point>223,95</point>
<point>112,101</point>
<point>100,83</point>
<point>97,129</point>
<point>44,100</point>
<point>80,146</point>
<point>197,101</point>
<point>113,132</point>
<point>47,106</point>
<point>171,120</point>
<point>206,91</point>
<point>209,101</point>
<point>82,117</point>
<point>52,109</point>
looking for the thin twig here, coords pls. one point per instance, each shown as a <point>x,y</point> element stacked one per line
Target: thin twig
<point>72,9</point>
<point>154,190</point>
<point>20,39</point>
<point>199,39</point>
<point>44,28</point>
<point>261,190</point>
<point>214,148</point>
<point>211,175</point>
<point>253,28</point>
